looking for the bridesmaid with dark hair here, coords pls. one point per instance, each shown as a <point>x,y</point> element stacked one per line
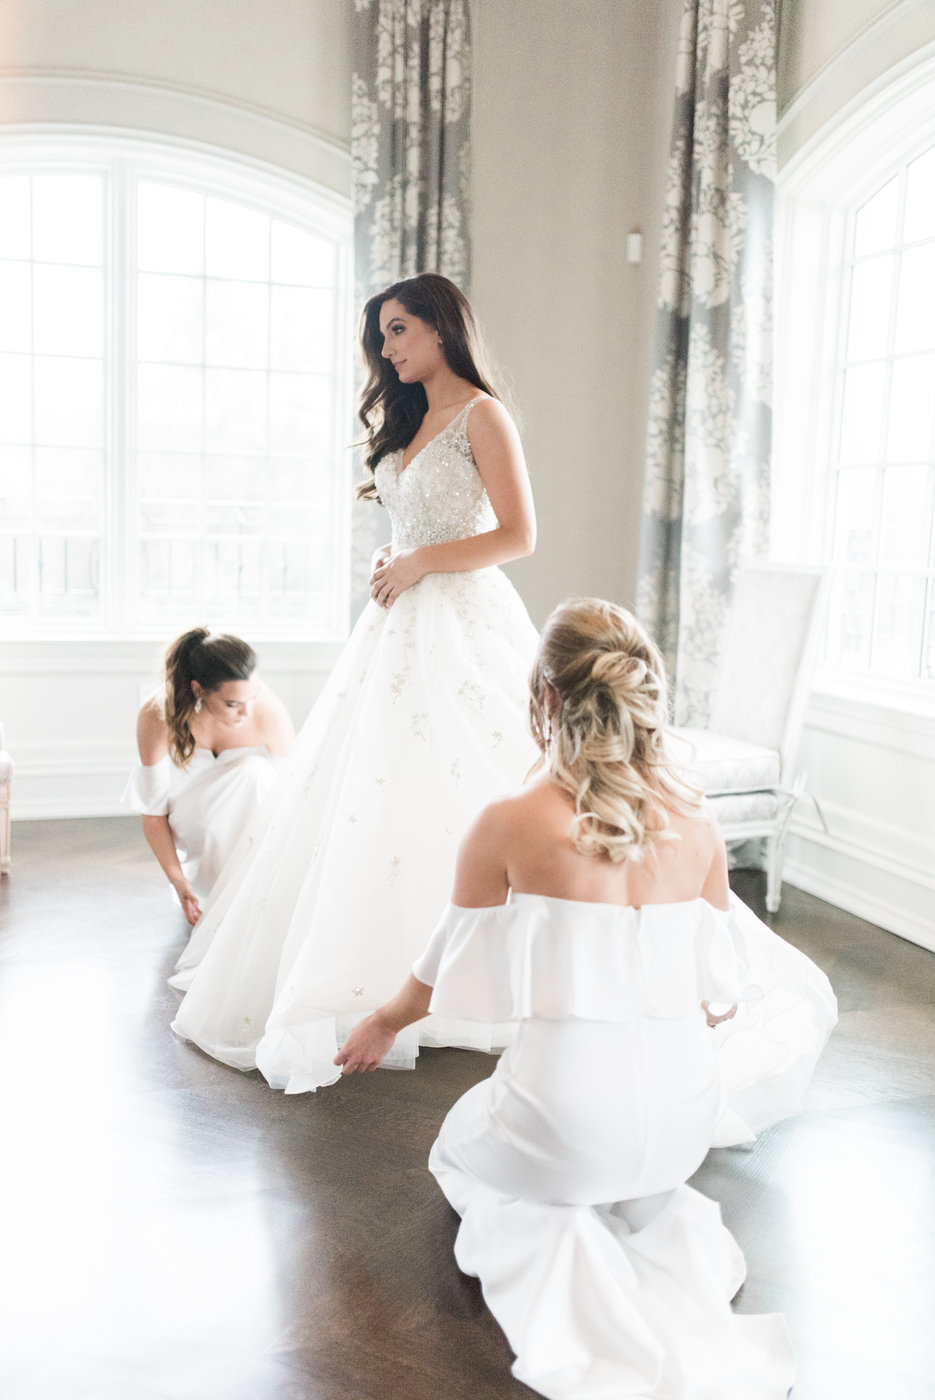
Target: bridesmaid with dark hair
<point>209,740</point>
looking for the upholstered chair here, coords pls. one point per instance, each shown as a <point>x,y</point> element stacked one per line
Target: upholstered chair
<point>745,757</point>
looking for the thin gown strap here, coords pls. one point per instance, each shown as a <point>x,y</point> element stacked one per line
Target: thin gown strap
<point>458,424</point>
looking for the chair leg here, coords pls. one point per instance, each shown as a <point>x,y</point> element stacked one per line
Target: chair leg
<point>4,828</point>
<point>774,845</point>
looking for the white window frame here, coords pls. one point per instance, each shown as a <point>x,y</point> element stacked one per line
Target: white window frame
<point>276,192</point>
<point>837,171</point>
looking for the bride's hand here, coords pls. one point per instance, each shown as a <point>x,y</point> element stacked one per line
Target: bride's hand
<point>394,576</point>
<point>368,1043</point>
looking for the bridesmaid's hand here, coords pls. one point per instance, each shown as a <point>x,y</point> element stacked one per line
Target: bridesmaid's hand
<point>368,1043</point>
<point>395,575</point>
<point>188,900</point>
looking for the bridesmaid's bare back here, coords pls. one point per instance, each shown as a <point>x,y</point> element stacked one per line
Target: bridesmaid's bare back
<point>523,843</point>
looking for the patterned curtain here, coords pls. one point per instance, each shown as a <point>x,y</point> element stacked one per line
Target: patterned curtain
<point>706,498</point>
<point>410,140</point>
<point>411,159</point>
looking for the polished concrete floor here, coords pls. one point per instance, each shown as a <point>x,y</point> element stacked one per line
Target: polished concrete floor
<point>175,1230</point>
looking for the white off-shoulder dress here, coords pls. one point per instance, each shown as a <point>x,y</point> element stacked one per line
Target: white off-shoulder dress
<point>209,802</point>
<point>610,1277</point>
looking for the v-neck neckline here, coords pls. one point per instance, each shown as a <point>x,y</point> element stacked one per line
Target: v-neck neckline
<point>404,466</point>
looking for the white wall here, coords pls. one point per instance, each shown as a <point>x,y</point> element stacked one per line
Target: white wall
<point>572,113</point>
<point>869,749</point>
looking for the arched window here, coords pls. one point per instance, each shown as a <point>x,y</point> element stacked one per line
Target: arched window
<point>883,490</point>
<point>173,374</point>
<point>856,410</point>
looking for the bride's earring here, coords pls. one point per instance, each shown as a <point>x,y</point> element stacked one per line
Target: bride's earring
<point>198,706</point>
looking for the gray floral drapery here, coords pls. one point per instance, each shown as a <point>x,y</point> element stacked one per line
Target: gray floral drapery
<point>410,140</point>
<point>707,481</point>
<point>411,163</point>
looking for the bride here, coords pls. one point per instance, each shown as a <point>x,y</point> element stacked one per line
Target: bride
<point>320,911</point>
<point>592,908</point>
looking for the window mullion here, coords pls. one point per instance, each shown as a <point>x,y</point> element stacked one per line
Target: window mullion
<point>125,544</point>
<point>35,566</point>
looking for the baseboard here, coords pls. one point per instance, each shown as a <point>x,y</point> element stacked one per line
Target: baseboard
<point>896,896</point>
<point>38,809</point>
<point>70,780</point>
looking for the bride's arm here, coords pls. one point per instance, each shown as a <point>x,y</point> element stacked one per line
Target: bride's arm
<point>500,463</point>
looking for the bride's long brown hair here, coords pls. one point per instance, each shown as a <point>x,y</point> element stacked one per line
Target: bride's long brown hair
<point>390,410</point>
<point>599,712</point>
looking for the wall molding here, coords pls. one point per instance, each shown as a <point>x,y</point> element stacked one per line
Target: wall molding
<point>805,872</point>
<point>828,166</point>
<point>887,848</point>
<point>873,869</point>
<point>878,869</point>
<point>113,657</point>
<point>35,101</point>
<point>97,78</point>
<point>59,779</point>
<point>892,725</point>
<point>865,40</point>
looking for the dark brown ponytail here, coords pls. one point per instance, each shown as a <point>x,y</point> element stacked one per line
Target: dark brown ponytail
<point>211,660</point>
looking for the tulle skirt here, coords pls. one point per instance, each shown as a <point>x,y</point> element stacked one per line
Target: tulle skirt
<point>333,893</point>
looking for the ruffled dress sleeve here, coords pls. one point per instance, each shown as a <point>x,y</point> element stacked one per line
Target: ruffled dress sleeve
<point>552,959</point>
<point>724,977</point>
<point>147,789</point>
<point>768,1052</point>
<point>468,964</point>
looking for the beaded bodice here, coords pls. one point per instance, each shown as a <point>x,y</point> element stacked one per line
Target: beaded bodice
<point>439,496</point>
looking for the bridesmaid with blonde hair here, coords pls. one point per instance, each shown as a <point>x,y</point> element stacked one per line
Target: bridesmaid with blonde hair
<point>591,909</point>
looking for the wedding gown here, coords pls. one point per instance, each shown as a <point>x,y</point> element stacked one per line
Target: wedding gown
<point>334,890</point>
<point>208,802</point>
<point>610,1277</point>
